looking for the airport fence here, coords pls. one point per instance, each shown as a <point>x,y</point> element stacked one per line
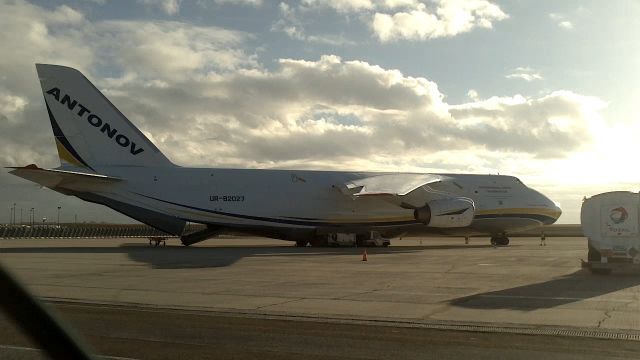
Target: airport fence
<point>83,231</point>
<point>141,231</point>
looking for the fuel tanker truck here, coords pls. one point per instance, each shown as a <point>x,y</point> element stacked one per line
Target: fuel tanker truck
<point>611,225</point>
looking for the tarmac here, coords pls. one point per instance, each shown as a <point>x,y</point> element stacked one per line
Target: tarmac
<point>431,283</point>
<point>126,332</point>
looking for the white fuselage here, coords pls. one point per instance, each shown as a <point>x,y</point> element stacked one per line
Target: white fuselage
<point>309,201</point>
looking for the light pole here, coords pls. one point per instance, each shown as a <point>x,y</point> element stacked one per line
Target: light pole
<point>21,216</point>
<point>14,214</point>
<point>32,216</point>
<point>59,207</point>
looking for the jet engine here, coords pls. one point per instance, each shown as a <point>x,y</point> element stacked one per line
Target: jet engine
<point>446,213</point>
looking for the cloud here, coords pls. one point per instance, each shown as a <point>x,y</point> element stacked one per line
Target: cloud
<point>355,6</point>
<point>170,7</point>
<point>290,24</point>
<point>331,112</point>
<point>393,20</point>
<point>142,51</point>
<point>305,110</point>
<point>65,15</point>
<point>205,100</point>
<point>34,34</point>
<point>534,126</point>
<point>342,6</point>
<point>524,73</point>
<point>566,25</point>
<point>449,18</point>
<point>150,49</point>
<point>170,49</point>
<point>10,104</point>
<point>561,21</point>
<point>395,4</point>
<point>255,3</point>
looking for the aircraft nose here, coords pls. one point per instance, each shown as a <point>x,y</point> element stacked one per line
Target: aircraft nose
<point>554,212</point>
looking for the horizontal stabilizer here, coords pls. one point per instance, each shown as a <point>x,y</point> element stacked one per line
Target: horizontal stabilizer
<point>62,179</point>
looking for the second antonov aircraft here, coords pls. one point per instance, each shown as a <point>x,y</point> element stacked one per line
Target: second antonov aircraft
<point>105,159</point>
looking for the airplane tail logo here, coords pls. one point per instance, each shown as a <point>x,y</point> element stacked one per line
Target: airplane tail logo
<point>89,130</point>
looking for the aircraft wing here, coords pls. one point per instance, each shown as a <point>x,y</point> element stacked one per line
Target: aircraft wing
<point>62,179</point>
<point>412,191</point>
<point>405,190</point>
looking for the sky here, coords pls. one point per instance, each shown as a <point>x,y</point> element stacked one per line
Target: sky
<point>546,91</point>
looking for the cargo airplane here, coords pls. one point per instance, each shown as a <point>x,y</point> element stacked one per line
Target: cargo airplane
<point>105,159</point>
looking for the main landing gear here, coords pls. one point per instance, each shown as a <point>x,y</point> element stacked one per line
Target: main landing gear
<point>500,240</point>
<point>157,241</point>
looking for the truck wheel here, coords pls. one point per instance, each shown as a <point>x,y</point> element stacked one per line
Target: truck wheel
<point>601,271</point>
<point>593,255</point>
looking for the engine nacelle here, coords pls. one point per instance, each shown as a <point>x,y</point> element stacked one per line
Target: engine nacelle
<point>446,213</point>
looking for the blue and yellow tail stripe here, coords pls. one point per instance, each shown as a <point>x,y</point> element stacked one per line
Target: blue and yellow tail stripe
<point>66,151</point>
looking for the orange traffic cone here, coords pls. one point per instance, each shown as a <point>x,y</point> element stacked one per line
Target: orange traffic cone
<point>364,255</point>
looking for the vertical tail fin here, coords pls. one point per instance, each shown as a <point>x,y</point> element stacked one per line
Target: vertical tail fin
<point>90,132</point>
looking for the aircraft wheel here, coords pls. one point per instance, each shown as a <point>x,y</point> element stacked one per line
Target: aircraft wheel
<point>500,240</point>
<point>301,243</point>
<point>319,243</point>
